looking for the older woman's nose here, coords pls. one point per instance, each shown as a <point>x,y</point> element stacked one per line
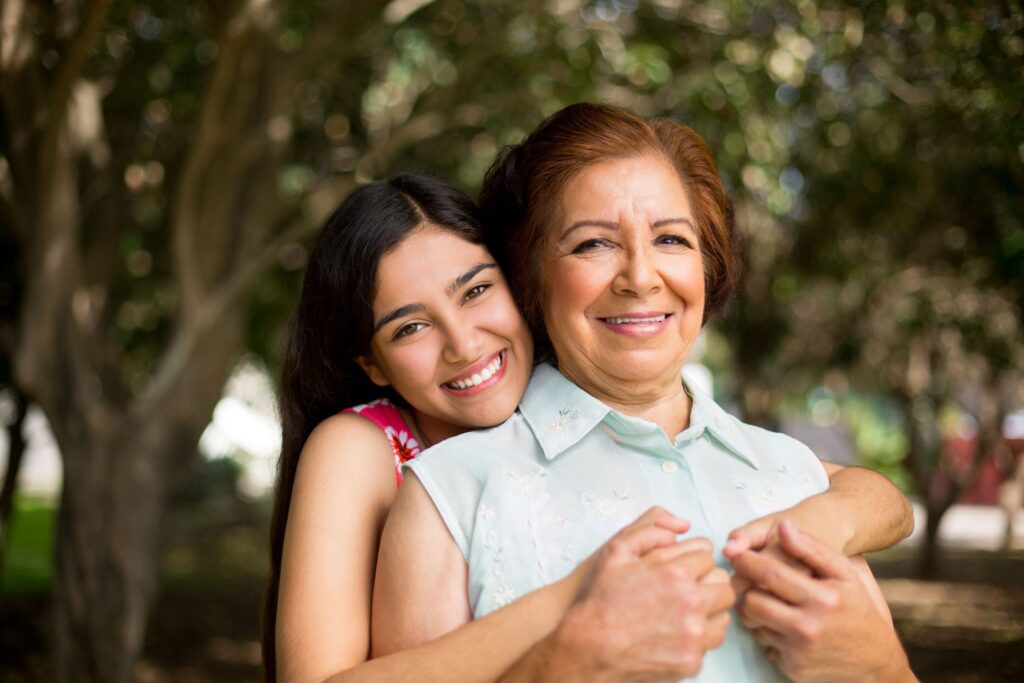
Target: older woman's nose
<point>638,274</point>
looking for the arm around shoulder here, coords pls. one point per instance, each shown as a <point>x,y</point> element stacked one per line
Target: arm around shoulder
<point>861,511</point>
<point>343,488</point>
<point>880,515</point>
<point>420,590</point>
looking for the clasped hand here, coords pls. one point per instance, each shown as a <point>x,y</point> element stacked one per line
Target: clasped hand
<point>651,605</point>
<point>820,614</point>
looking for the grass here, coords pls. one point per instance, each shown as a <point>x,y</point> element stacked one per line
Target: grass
<point>28,564</point>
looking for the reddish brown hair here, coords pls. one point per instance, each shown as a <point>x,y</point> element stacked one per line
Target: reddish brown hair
<point>522,189</point>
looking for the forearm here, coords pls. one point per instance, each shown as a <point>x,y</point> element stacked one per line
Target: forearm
<point>479,651</point>
<point>556,658</point>
<point>863,509</point>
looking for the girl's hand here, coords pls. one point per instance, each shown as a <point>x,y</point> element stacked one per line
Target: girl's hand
<point>648,606</point>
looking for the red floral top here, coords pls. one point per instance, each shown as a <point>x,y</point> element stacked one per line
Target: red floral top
<point>385,415</point>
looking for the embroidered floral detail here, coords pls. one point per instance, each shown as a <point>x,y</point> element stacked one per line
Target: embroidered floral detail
<point>563,522</point>
<point>535,545</point>
<point>568,552</point>
<point>565,416</point>
<point>523,483</point>
<point>502,596</point>
<point>805,482</point>
<point>605,508</point>
<point>497,556</point>
<point>485,512</point>
<point>403,444</point>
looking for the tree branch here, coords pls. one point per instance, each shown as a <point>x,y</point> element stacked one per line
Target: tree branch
<point>906,92</point>
<point>420,127</point>
<point>210,310</point>
<point>209,138</point>
<point>69,70</point>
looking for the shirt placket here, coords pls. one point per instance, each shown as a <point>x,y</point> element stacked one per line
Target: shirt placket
<point>674,479</point>
<point>706,490</point>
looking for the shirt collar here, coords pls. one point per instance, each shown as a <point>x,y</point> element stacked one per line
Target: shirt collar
<point>558,411</point>
<point>725,428</point>
<point>560,414</point>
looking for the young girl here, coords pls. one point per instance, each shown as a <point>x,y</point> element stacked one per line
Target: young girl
<point>406,334</point>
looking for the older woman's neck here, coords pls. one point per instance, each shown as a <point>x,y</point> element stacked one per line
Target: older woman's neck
<point>661,400</point>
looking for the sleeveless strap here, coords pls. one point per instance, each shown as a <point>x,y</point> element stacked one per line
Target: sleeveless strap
<point>386,415</point>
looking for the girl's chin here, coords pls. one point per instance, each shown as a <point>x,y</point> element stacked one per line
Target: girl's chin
<point>490,412</point>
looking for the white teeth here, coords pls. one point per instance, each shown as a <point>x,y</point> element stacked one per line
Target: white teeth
<point>479,377</point>
<point>635,321</point>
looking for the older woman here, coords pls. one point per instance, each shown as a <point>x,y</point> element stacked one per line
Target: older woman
<point>619,246</point>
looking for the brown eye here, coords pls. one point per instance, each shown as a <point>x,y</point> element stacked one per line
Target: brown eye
<point>476,291</point>
<point>407,329</point>
<point>590,245</point>
<point>673,240</point>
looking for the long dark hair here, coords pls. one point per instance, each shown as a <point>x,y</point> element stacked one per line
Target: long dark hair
<point>333,324</point>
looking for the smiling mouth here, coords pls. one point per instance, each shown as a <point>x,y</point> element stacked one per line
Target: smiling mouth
<point>481,376</point>
<point>643,325</point>
<point>647,320</point>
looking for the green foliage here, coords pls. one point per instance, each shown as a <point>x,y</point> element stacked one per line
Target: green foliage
<point>873,150</point>
<point>880,437</point>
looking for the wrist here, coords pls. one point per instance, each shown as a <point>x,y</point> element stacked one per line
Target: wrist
<point>825,518</point>
<point>572,652</point>
<point>895,669</point>
<point>573,587</point>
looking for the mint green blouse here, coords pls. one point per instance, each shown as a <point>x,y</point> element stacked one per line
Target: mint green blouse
<point>527,500</point>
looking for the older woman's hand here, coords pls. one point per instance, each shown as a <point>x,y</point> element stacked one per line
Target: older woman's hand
<point>829,626</point>
<point>650,610</point>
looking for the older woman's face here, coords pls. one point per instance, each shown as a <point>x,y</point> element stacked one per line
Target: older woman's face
<point>624,278</point>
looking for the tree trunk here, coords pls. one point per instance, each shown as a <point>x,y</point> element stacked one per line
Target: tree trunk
<point>15,453</point>
<point>107,557</point>
<point>118,475</point>
<point>928,557</point>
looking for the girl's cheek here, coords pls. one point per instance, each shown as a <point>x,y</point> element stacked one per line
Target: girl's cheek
<point>416,360</point>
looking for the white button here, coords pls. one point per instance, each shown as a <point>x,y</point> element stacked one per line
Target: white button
<point>669,466</point>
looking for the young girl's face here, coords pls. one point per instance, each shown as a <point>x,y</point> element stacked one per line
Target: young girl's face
<point>448,336</point>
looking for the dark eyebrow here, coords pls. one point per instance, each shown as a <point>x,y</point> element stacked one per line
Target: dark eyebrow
<point>461,280</point>
<point>397,313</point>
<point>455,285</point>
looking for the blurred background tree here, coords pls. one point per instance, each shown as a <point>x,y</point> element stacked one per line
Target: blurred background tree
<point>164,165</point>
